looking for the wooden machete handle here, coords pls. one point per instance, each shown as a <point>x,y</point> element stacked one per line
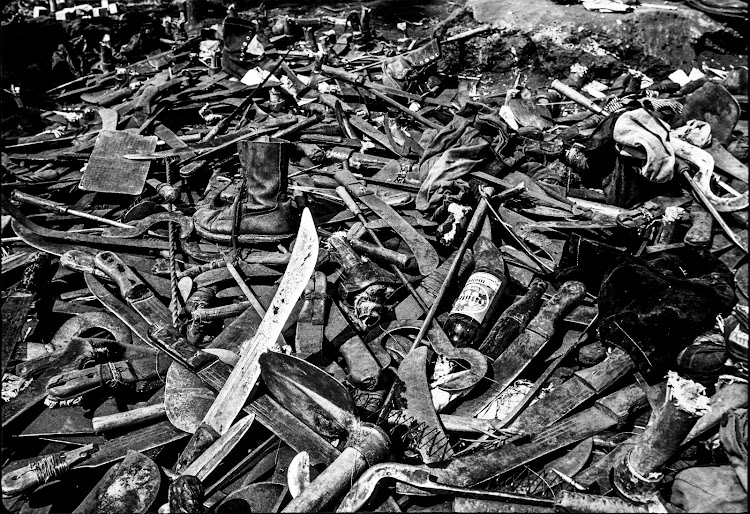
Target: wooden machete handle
<point>569,294</point>
<point>111,264</point>
<point>203,437</point>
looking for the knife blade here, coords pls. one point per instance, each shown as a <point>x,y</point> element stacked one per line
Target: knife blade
<point>244,376</point>
<point>425,254</point>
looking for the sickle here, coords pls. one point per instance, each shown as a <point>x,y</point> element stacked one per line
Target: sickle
<point>79,324</point>
<point>141,226</point>
<point>443,347</point>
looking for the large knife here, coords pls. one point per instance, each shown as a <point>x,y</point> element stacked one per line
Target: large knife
<point>425,254</point>
<point>134,290</point>
<point>213,373</point>
<point>526,346</point>
<point>17,306</point>
<point>245,374</point>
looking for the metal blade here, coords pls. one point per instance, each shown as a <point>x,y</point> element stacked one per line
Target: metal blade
<point>237,388</point>
<point>212,457</point>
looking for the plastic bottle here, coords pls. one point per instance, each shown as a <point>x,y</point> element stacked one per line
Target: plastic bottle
<point>481,293</point>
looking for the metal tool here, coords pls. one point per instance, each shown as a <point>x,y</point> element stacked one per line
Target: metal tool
<point>238,386</point>
<point>323,403</point>
<point>425,479</point>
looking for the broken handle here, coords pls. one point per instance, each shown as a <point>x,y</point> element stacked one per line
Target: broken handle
<point>576,96</point>
<point>367,445</point>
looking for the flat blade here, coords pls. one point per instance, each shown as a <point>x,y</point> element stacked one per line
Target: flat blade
<point>244,376</point>
<point>131,318</point>
<point>212,457</point>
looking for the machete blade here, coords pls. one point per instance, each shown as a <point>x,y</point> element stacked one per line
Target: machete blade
<point>308,392</point>
<point>427,430</point>
<point>245,374</point>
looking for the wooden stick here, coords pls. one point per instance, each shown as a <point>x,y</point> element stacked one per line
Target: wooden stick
<point>128,418</point>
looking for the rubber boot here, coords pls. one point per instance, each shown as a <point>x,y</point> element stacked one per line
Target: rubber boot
<point>265,210</point>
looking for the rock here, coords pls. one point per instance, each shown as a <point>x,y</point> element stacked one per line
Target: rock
<point>649,39</point>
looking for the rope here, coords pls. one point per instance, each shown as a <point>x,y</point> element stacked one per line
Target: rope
<point>174,301</point>
<point>116,375</point>
<point>49,467</point>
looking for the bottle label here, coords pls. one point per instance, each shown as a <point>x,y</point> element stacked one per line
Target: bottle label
<point>477,295</point>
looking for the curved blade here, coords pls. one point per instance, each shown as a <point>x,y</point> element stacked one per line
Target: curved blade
<point>237,388</point>
<point>427,430</point>
<point>308,392</point>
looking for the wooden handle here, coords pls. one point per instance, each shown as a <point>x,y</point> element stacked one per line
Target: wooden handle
<point>79,261</point>
<point>366,447</point>
<point>569,294</point>
<point>43,470</point>
<point>186,495</point>
<point>364,369</point>
<point>338,73</point>
<point>379,252</point>
<point>166,191</point>
<point>203,437</point>
<point>623,402</point>
<point>478,216</point>
<point>43,203</point>
<point>579,502</point>
<point>351,183</point>
<point>125,419</point>
<point>349,202</point>
<point>576,96</point>
<point>121,274</point>
<point>75,383</point>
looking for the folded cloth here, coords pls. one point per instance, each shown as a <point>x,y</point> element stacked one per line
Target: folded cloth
<point>454,151</point>
<point>733,437</point>
<point>709,489</point>
<point>641,129</point>
<point>655,308</point>
<point>705,359</point>
<point>695,132</point>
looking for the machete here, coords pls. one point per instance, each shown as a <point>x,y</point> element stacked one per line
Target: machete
<point>213,375</point>
<point>18,305</point>
<point>134,290</point>
<point>526,346</point>
<point>59,248</point>
<point>425,254</point>
<point>74,237</point>
<point>240,383</point>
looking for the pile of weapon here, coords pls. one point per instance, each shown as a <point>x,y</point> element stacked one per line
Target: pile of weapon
<point>320,343</point>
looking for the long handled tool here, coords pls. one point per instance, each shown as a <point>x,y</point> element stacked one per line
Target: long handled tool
<point>423,479</point>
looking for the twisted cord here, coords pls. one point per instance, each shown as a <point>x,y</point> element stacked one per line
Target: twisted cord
<point>49,467</point>
<point>174,301</point>
<point>116,379</point>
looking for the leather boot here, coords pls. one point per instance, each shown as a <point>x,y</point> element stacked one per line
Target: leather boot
<point>265,210</point>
